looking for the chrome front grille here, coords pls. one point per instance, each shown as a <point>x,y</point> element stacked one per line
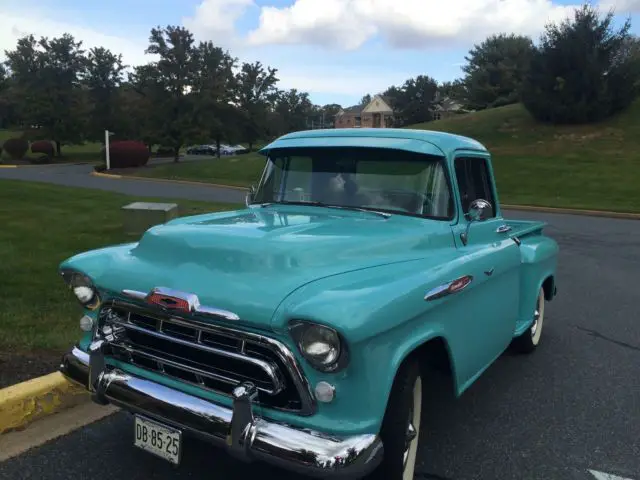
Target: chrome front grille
<point>209,356</point>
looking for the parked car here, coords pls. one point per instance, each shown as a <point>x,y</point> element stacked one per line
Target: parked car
<point>202,150</point>
<point>301,329</point>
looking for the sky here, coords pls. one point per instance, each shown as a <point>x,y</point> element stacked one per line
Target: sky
<point>337,50</point>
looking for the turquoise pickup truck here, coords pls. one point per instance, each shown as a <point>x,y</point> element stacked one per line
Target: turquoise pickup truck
<point>302,330</point>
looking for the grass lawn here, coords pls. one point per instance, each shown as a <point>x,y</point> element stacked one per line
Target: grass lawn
<point>589,166</point>
<point>237,170</point>
<point>41,226</point>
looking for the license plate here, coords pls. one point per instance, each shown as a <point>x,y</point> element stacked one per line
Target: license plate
<point>163,441</point>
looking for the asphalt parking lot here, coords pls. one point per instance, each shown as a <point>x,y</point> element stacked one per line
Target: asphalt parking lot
<point>572,407</point>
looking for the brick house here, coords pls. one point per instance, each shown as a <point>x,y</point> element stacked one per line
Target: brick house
<point>377,114</point>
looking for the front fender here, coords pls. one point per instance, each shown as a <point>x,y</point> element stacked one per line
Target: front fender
<point>539,255</point>
<point>382,314</point>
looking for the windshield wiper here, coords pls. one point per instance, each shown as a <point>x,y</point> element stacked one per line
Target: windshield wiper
<point>327,205</point>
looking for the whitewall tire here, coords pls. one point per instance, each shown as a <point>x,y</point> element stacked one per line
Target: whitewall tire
<point>530,339</point>
<point>400,430</point>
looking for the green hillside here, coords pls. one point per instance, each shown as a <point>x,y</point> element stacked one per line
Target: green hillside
<point>588,166</point>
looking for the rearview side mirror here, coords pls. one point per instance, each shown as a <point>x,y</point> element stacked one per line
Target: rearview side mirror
<point>479,211</point>
<point>248,199</point>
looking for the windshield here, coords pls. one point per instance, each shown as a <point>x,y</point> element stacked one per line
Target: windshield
<point>393,181</point>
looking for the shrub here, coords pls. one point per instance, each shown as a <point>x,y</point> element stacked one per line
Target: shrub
<point>127,154</point>
<point>43,146</point>
<point>16,148</point>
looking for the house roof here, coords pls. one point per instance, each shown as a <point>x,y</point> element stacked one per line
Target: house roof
<point>353,110</point>
<point>421,141</point>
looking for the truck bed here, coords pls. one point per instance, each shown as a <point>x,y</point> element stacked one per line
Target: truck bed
<point>521,228</point>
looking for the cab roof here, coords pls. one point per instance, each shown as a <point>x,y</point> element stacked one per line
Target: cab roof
<point>421,141</point>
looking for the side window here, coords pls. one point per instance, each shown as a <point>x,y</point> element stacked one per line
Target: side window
<point>474,182</point>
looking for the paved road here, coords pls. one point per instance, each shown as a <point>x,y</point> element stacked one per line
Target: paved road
<point>78,176</point>
<point>572,406</point>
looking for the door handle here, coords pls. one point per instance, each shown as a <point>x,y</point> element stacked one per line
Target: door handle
<point>503,229</point>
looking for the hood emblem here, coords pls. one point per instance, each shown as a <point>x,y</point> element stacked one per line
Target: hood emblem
<point>169,302</point>
<point>176,301</point>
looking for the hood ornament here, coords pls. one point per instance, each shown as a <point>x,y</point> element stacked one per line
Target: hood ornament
<point>175,301</point>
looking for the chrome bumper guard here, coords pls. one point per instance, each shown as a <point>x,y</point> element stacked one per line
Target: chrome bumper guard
<point>246,437</point>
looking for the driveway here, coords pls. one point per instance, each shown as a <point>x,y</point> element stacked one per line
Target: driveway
<point>572,406</point>
<point>80,176</point>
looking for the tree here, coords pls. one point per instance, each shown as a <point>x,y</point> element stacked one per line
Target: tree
<point>212,93</point>
<point>413,102</point>
<point>583,70</point>
<point>255,88</point>
<point>292,109</point>
<point>170,79</point>
<point>5,102</point>
<point>46,77</point>
<point>102,79</point>
<point>455,90</point>
<point>329,113</point>
<point>496,69</point>
<point>366,100</point>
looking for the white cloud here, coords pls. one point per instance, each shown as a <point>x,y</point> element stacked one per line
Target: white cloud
<point>17,25</point>
<point>402,23</point>
<point>215,20</point>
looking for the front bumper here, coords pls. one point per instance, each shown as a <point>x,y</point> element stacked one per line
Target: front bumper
<point>245,436</point>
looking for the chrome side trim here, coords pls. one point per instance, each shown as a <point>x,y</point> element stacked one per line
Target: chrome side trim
<point>190,298</point>
<point>289,360</point>
<point>245,435</point>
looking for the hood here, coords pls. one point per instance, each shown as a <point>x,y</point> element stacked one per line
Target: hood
<point>248,261</point>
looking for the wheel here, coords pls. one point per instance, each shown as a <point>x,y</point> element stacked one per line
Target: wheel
<point>401,425</point>
<point>529,340</point>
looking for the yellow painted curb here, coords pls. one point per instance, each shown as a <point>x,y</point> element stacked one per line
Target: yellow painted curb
<point>574,211</point>
<point>61,164</point>
<point>168,180</point>
<point>106,175</point>
<point>25,402</point>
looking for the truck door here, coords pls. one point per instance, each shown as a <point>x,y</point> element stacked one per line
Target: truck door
<point>493,260</point>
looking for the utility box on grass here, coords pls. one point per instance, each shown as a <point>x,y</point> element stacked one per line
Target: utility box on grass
<point>139,216</point>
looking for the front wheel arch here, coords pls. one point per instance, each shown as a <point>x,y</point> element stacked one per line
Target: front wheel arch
<point>549,287</point>
<point>432,354</point>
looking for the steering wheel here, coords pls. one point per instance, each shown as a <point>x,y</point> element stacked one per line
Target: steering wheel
<point>418,199</point>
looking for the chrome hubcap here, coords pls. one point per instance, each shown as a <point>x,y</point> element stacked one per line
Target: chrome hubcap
<point>410,436</point>
<point>536,317</point>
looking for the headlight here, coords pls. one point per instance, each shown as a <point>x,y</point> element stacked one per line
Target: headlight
<point>82,288</point>
<point>321,346</point>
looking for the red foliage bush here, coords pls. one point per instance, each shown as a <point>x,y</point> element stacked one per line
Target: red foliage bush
<point>16,148</point>
<point>42,146</point>
<point>127,154</point>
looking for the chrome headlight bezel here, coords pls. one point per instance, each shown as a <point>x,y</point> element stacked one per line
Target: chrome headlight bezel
<point>305,332</point>
<point>82,287</point>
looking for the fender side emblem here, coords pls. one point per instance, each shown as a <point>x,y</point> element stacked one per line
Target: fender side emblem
<point>446,289</point>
